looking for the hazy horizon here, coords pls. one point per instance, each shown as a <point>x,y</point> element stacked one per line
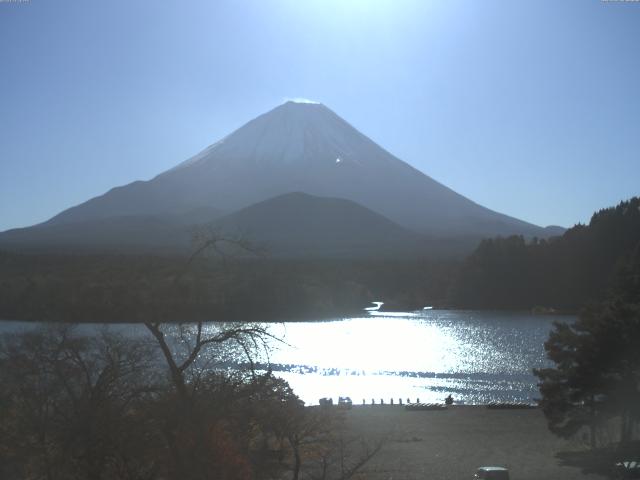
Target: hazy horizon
<point>526,109</point>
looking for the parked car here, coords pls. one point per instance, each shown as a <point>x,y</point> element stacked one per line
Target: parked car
<point>492,473</point>
<point>627,469</point>
<point>345,402</point>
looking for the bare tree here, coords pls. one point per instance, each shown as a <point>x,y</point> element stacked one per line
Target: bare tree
<point>73,405</point>
<point>249,337</point>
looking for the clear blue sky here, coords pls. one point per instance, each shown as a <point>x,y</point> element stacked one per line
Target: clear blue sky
<point>529,108</point>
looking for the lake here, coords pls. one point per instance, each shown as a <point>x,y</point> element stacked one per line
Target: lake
<point>478,357</point>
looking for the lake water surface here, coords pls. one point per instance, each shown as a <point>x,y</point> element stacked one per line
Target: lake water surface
<point>478,357</point>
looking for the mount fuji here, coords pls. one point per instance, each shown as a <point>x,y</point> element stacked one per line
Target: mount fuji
<point>296,147</point>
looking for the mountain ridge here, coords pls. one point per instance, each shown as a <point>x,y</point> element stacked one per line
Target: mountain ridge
<point>294,224</point>
<point>301,147</point>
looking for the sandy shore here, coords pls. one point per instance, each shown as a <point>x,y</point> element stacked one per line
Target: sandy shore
<point>452,444</point>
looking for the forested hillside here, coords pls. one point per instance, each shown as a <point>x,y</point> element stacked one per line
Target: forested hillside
<point>563,273</point>
<point>135,288</point>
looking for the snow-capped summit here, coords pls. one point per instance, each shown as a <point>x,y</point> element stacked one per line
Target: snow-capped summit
<point>294,132</point>
<point>302,147</point>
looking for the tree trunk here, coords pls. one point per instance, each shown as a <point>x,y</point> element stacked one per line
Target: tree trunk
<point>176,375</point>
<point>592,426</point>
<point>296,457</point>
<point>625,430</point>
<point>592,436</point>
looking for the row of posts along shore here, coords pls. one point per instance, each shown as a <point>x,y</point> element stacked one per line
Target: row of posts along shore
<point>391,401</point>
<point>329,401</point>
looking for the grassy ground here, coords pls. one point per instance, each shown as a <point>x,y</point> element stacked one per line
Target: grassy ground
<point>452,444</point>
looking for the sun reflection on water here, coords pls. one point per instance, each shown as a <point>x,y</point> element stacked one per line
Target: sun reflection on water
<point>369,345</point>
<point>477,356</point>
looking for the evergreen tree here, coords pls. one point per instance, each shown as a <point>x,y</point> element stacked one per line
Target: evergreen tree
<point>597,371</point>
<point>564,272</point>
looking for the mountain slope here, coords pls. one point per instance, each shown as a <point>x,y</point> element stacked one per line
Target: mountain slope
<point>132,233</point>
<point>297,224</point>
<point>305,148</point>
<point>289,225</point>
<point>168,232</point>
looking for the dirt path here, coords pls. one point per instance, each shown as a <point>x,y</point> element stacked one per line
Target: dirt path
<point>450,445</point>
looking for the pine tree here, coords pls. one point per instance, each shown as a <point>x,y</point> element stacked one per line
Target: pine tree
<point>597,371</point>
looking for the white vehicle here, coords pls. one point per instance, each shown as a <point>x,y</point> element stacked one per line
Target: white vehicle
<point>627,469</point>
<point>492,473</point>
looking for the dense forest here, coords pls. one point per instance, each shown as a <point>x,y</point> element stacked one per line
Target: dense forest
<point>127,288</point>
<point>563,273</point>
<point>591,390</point>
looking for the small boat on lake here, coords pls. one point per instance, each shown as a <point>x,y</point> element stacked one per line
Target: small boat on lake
<point>375,308</point>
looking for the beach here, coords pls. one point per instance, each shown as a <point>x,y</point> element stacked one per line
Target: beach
<point>452,444</point>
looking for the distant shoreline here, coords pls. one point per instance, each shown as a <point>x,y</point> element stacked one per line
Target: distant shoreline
<point>310,319</point>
